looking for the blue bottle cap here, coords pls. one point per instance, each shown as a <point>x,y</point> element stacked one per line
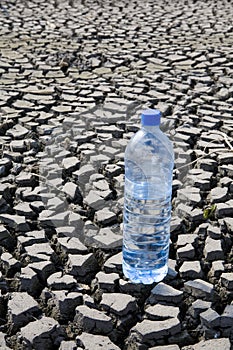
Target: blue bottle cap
<point>151,117</point>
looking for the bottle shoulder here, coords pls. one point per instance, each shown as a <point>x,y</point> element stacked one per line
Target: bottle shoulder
<point>146,142</point>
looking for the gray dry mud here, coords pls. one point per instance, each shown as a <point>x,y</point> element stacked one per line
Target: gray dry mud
<point>74,77</point>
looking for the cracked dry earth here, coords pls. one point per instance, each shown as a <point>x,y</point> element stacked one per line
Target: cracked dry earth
<point>74,77</point>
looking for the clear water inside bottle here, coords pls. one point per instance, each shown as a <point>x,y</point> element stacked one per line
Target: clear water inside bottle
<point>146,234</point>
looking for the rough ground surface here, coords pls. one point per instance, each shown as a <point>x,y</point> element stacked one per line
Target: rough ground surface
<point>75,76</point>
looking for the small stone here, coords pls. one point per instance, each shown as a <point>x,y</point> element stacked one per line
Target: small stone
<point>92,320</point>
<point>72,245</point>
<point>163,292</point>
<point>214,232</point>
<point>161,312</point>
<point>118,303</point>
<point>25,179</point>
<point>25,210</point>
<point>101,342</point>
<point>227,317</point>
<point>186,253</point>
<point>106,281</point>
<point>106,239</point>
<point>58,281</point>
<point>31,238</point>
<point>39,252</point>
<point>71,164</point>
<point>210,318</point>
<point>43,268</point>
<point>217,268</point>
<point>63,304</point>
<point>84,173</point>
<point>223,210</point>
<point>189,195</point>
<point>191,270</point>
<point>218,194</point>
<point>18,131</point>
<point>81,265</point>
<point>22,309</point>
<point>112,170</point>
<point>105,217</point>
<point>101,185</point>
<point>16,222</point>
<point>68,345</point>
<point>225,158</point>
<point>213,249</point>
<point>149,331</point>
<point>9,264</point>
<point>94,201</point>
<point>28,281</point>
<point>113,264</point>
<point>73,193</point>
<point>222,343</point>
<point>198,306</point>
<point>227,280</point>
<point>3,341</point>
<point>190,238</point>
<point>166,347</point>
<point>43,333</point>
<point>200,289</point>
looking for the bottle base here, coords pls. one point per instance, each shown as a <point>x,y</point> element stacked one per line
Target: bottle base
<point>144,276</point>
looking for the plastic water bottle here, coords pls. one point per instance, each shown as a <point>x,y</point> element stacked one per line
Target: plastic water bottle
<point>149,161</point>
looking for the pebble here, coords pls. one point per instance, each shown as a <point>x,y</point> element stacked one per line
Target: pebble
<point>101,342</point>
<point>71,164</point>
<point>227,280</point>
<point>149,331</point>
<point>118,303</point>
<point>226,319</point>
<point>106,281</point>
<point>166,347</point>
<point>186,253</point>
<point>43,268</point>
<point>191,270</point>
<point>62,304</point>
<point>213,249</point>
<point>210,318</point>
<point>94,200</point>
<point>68,345</point>
<point>222,343</point>
<point>113,264</point>
<point>107,239</point>
<point>105,217</point>
<point>3,341</point>
<point>198,306</point>
<point>22,309</point>
<point>28,281</point>
<point>44,332</point>
<point>58,281</point>
<point>81,265</point>
<point>218,194</point>
<point>161,312</point>
<point>92,321</point>
<point>163,292</point>
<point>200,289</point>
<point>72,245</point>
<point>9,264</point>
<point>73,193</point>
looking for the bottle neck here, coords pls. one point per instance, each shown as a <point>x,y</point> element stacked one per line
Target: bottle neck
<point>151,128</point>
